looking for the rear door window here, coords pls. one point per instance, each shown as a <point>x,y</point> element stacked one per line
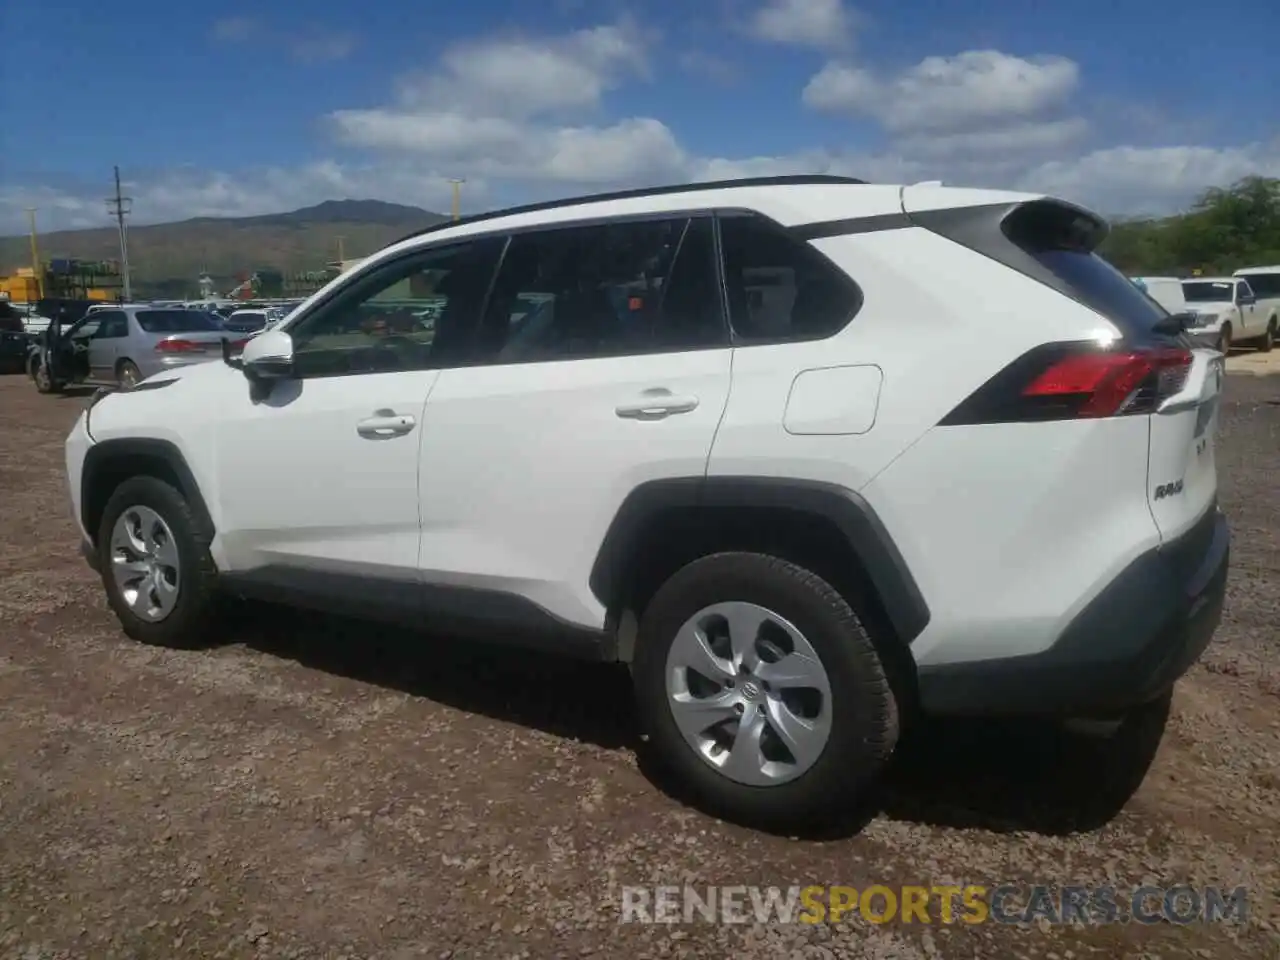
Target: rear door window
<point>602,290</point>
<point>176,321</point>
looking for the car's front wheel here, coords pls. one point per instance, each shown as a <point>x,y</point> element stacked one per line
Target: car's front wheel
<point>153,553</point>
<point>761,691</point>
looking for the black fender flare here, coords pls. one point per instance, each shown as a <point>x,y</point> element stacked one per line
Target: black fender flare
<point>848,512</point>
<point>103,458</point>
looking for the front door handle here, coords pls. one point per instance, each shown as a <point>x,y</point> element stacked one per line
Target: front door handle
<point>657,406</point>
<point>385,424</point>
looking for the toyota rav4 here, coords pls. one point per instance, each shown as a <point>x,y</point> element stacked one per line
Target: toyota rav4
<point>810,455</point>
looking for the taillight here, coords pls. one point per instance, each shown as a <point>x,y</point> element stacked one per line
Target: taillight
<point>179,346</point>
<point>1068,381</point>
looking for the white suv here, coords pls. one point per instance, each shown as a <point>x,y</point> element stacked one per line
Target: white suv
<point>808,454</point>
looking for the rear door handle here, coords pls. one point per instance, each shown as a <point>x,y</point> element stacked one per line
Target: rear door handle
<point>385,424</point>
<point>657,407</point>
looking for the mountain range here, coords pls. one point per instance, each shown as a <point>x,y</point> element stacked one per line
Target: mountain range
<point>165,254</point>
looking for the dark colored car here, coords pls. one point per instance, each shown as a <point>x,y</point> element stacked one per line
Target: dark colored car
<point>13,340</point>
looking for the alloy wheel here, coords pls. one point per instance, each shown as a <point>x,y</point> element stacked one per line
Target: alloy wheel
<point>144,563</point>
<point>749,693</point>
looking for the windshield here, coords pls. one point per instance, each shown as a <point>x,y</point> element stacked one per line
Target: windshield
<point>1207,291</point>
<point>177,321</point>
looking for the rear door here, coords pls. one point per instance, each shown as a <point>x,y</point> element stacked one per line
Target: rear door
<point>105,343</point>
<point>618,375</point>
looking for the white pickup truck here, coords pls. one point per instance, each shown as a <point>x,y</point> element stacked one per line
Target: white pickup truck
<point>1228,311</point>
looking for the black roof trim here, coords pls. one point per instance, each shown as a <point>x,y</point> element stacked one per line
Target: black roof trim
<point>839,228</point>
<point>801,179</point>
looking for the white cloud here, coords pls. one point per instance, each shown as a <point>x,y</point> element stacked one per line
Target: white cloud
<point>501,108</point>
<point>824,24</point>
<point>526,77</point>
<point>235,29</point>
<point>947,93</point>
<point>716,69</point>
<point>322,47</point>
<point>310,45</point>
<point>177,194</point>
<point>1016,142</point>
<point>1113,180</point>
<point>1153,179</point>
<point>525,117</point>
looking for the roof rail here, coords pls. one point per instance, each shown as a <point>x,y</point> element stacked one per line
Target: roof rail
<point>795,179</point>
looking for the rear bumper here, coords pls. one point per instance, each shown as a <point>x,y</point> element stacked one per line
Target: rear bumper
<point>1205,337</point>
<point>1127,647</point>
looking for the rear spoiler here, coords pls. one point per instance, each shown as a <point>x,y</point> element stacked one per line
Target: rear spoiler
<point>1041,224</point>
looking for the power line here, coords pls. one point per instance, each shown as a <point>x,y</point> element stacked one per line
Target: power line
<point>120,207</point>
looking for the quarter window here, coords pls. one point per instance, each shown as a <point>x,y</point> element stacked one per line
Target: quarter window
<point>605,290</point>
<point>781,288</point>
<point>417,313</point>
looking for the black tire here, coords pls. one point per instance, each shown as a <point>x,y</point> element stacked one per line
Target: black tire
<point>1268,339</point>
<point>127,374</point>
<point>193,617</point>
<point>41,377</point>
<point>864,727</point>
<point>1224,340</point>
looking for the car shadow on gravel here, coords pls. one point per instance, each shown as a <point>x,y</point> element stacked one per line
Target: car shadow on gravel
<point>1001,776</point>
<point>570,698</point>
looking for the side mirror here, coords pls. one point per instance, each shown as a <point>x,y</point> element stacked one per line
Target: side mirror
<point>268,356</point>
<point>1246,299</point>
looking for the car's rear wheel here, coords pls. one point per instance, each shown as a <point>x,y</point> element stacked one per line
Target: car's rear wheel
<point>761,692</point>
<point>153,553</point>
<point>127,374</point>
<point>1268,339</point>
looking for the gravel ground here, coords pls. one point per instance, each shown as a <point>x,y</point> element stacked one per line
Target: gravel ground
<point>320,789</point>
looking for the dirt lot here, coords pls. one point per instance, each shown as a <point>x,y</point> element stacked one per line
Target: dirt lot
<point>320,789</point>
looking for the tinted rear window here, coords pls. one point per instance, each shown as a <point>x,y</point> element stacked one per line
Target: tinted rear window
<point>177,321</point>
<point>1052,242</point>
<point>1100,286</point>
<point>1208,291</point>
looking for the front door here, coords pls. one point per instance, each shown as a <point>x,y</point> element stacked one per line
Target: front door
<point>318,482</point>
<point>603,362</point>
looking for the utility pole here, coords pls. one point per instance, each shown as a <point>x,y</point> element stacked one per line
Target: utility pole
<point>457,196</point>
<point>120,207</point>
<point>35,254</point>
<point>342,258</point>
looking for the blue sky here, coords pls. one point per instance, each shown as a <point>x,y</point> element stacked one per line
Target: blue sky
<point>236,108</point>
